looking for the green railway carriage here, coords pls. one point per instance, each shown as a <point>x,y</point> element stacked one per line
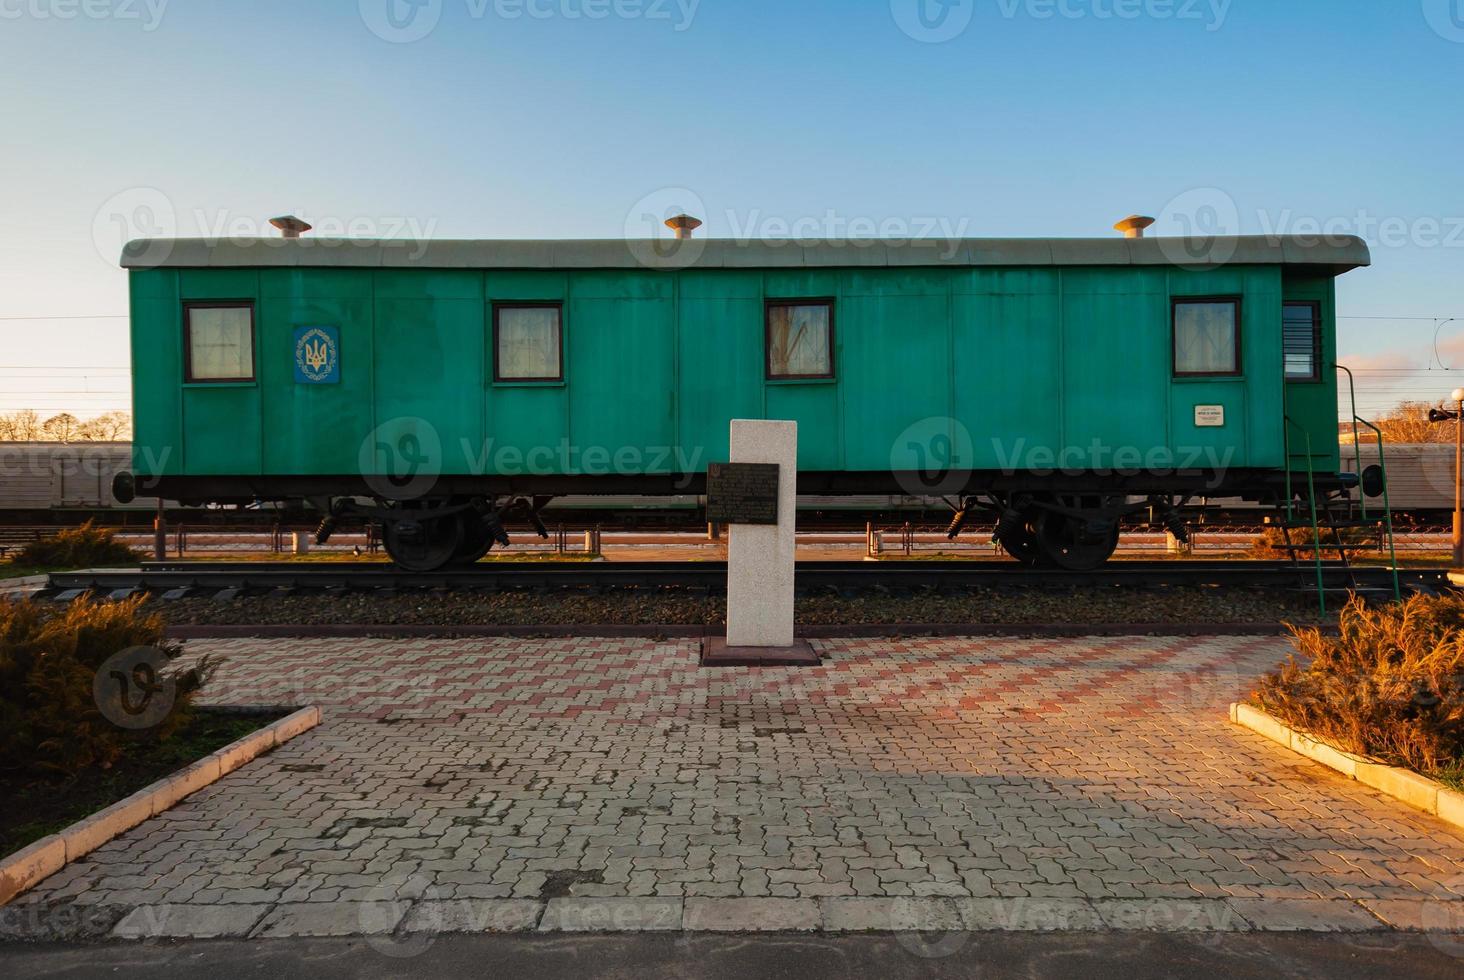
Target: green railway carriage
<point>441,388</point>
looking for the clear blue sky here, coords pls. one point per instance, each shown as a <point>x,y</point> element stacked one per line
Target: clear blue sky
<point>556,124</point>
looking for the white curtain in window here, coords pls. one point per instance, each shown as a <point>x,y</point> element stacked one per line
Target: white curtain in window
<point>1204,338</point>
<point>798,341</point>
<point>221,343</point>
<point>528,343</point>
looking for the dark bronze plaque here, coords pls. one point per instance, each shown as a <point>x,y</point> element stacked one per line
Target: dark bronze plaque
<point>742,493</point>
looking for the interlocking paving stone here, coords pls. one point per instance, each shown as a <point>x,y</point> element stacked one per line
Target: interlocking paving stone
<point>1062,777</point>
<point>189,921</point>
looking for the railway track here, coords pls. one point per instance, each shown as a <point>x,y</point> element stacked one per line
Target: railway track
<point>176,580</point>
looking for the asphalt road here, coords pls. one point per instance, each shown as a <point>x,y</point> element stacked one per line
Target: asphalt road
<point>644,956</point>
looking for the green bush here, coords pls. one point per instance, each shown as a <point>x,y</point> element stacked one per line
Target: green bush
<point>78,547</point>
<point>50,718</point>
<point>1390,685</point>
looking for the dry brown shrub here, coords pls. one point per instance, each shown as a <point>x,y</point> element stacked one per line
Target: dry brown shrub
<point>1390,686</point>
<point>50,721</point>
<point>1269,545</point>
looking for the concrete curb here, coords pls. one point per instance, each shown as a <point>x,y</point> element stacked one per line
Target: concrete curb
<point>1402,784</point>
<point>23,869</point>
<point>406,922</point>
<point>22,588</point>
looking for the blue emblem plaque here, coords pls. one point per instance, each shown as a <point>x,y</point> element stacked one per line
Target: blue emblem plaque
<point>317,355</point>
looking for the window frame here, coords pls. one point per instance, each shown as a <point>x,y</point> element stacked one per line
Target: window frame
<point>534,304</point>
<point>219,304</point>
<point>771,304</point>
<point>1316,321</point>
<point>1175,302</point>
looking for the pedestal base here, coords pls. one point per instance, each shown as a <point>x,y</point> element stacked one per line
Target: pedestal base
<point>716,653</point>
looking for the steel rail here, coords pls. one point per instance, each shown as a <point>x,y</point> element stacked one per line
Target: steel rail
<point>200,577</point>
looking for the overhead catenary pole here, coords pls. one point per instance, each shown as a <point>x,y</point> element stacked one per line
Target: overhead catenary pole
<point>1459,478</point>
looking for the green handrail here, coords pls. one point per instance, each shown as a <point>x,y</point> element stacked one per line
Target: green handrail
<point>1387,506</point>
<point>1286,449</point>
<point>1356,444</point>
<point>1311,482</point>
<point>1383,466</point>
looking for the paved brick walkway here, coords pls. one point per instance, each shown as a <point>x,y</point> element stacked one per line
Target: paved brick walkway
<point>925,783</point>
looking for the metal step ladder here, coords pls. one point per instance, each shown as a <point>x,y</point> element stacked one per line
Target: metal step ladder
<point>1319,516</point>
<point>1327,539</point>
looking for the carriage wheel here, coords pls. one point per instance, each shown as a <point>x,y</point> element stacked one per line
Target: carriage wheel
<point>1073,543</point>
<point>419,542</point>
<point>1022,544</point>
<point>477,541</point>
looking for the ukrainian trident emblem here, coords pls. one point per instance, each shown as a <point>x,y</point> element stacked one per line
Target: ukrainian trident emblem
<point>317,355</point>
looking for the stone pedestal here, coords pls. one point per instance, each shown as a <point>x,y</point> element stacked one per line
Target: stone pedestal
<point>760,558</point>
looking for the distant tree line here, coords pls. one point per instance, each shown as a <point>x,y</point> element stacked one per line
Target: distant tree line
<point>27,425</point>
<point>1405,425</point>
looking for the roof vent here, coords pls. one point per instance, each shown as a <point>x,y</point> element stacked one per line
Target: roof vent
<point>291,226</point>
<point>683,225</point>
<point>1133,226</point>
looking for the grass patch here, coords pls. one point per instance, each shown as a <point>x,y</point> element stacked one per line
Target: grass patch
<point>1408,559</point>
<point>12,570</point>
<point>35,807</point>
<point>544,556</point>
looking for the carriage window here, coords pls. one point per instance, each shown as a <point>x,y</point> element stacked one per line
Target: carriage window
<point>800,337</point>
<point>1206,336</point>
<point>526,342</point>
<point>1301,341</point>
<point>219,342</point>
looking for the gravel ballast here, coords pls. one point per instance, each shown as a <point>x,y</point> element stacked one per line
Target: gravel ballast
<point>693,607</point>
